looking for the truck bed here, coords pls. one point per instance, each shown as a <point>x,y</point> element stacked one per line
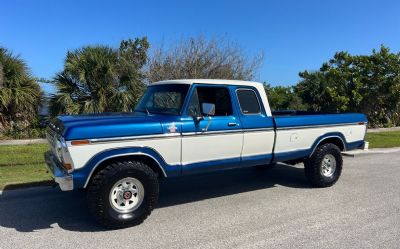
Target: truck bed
<point>299,132</point>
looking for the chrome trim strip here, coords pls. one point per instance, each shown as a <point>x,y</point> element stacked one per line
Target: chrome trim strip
<point>119,155</point>
<point>205,133</point>
<point>226,132</point>
<point>315,126</point>
<point>172,135</point>
<point>141,137</point>
<point>258,129</point>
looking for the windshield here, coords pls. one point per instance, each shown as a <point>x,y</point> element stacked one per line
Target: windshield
<point>163,99</point>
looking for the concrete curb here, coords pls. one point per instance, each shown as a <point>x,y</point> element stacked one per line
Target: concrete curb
<point>375,130</point>
<point>23,142</point>
<point>356,153</point>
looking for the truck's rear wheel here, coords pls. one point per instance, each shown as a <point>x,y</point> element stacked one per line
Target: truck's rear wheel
<point>123,194</point>
<point>324,167</point>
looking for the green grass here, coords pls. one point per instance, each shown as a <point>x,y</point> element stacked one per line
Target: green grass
<point>385,139</point>
<point>22,165</point>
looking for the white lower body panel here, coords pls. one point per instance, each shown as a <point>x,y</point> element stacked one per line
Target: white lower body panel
<point>304,138</point>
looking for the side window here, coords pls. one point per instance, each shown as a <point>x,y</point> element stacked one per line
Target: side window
<point>248,101</point>
<point>219,96</point>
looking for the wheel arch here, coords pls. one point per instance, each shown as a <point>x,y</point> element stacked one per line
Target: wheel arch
<point>337,139</point>
<point>150,160</point>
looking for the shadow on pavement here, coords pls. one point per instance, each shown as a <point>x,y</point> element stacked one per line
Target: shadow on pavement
<point>46,207</point>
<point>29,184</point>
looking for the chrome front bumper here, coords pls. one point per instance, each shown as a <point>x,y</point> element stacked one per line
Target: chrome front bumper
<point>60,175</point>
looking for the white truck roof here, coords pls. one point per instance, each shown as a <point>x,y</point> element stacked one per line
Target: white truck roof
<point>210,81</point>
<point>259,86</point>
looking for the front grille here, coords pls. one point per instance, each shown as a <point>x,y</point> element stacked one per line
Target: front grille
<point>51,137</point>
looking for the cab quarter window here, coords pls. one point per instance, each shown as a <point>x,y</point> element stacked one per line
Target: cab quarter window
<point>214,95</point>
<point>248,101</point>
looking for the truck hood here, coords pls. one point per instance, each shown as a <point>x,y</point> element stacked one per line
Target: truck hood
<point>73,127</point>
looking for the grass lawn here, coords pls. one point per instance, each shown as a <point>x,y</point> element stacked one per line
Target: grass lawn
<point>22,165</point>
<point>385,139</point>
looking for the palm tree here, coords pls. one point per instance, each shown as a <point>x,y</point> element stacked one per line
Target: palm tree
<point>20,94</point>
<point>100,79</point>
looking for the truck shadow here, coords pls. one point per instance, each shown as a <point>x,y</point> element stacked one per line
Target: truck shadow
<point>193,188</point>
<point>34,209</point>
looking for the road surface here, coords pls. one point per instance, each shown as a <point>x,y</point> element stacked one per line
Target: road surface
<point>235,209</point>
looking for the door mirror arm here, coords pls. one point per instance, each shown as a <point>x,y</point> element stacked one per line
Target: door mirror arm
<point>197,119</point>
<point>208,124</point>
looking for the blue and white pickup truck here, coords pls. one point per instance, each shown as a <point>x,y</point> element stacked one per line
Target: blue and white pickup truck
<point>182,127</point>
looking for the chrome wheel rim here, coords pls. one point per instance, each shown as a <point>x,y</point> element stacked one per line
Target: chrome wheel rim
<point>328,165</point>
<point>126,195</point>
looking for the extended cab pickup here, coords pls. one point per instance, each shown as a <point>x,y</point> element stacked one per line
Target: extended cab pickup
<point>182,127</point>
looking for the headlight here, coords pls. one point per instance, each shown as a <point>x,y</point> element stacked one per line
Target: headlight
<point>62,154</point>
<point>59,150</point>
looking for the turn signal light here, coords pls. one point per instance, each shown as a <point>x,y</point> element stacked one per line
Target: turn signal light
<point>80,142</point>
<point>68,166</point>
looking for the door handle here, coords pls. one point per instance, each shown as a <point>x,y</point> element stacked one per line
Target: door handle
<point>232,124</point>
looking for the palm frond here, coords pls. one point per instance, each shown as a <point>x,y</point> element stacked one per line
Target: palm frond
<point>100,79</point>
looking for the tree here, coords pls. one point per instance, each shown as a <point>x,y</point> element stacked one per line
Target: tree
<point>283,98</point>
<point>100,79</point>
<point>20,94</point>
<point>361,83</point>
<point>198,57</point>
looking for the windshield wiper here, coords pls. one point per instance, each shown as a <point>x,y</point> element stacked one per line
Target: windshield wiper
<point>147,111</point>
<point>142,111</point>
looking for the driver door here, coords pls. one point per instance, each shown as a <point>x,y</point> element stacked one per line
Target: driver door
<point>210,142</point>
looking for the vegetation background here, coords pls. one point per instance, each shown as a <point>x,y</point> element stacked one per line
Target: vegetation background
<point>111,79</point>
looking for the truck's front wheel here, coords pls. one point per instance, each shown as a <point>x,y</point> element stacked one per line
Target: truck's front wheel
<point>123,194</point>
<point>324,167</point>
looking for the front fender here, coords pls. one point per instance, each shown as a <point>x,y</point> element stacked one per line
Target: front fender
<point>83,175</point>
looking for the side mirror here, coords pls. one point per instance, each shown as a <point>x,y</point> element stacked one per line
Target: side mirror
<point>208,109</point>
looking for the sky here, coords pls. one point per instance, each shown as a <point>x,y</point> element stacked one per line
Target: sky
<point>293,35</point>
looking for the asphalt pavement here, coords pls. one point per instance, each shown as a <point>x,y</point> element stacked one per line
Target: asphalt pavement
<point>242,208</point>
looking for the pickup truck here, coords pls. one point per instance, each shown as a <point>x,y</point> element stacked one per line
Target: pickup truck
<point>182,127</point>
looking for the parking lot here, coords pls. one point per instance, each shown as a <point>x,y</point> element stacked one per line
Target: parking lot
<point>243,208</point>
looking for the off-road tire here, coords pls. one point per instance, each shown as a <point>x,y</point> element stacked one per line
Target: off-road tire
<point>102,183</point>
<point>313,166</point>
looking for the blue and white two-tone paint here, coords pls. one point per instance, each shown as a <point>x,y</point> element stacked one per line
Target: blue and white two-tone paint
<point>175,138</point>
